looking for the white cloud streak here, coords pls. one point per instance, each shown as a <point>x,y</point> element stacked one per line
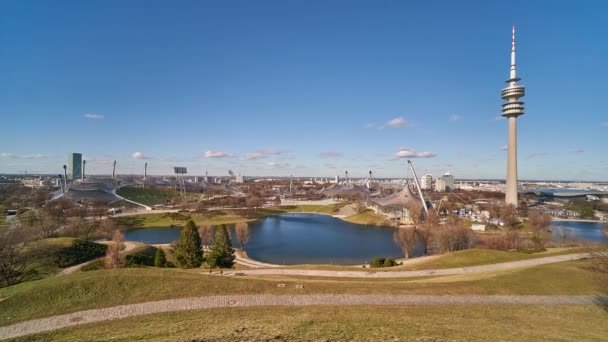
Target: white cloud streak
<point>94,116</point>
<point>405,152</point>
<point>139,155</point>
<point>24,156</point>
<point>217,154</point>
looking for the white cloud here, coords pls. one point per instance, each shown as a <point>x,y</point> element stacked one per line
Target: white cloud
<point>275,165</point>
<point>605,124</point>
<point>370,125</point>
<point>455,117</point>
<point>259,154</point>
<point>499,117</point>
<point>405,152</point>
<point>217,154</point>
<point>397,122</point>
<point>24,156</point>
<point>331,154</point>
<point>139,155</point>
<point>94,116</point>
<point>504,148</point>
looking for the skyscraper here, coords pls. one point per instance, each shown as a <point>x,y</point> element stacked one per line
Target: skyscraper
<point>74,166</point>
<point>511,110</point>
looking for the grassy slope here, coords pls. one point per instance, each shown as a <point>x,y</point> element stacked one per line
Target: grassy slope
<point>95,289</point>
<point>353,323</point>
<point>165,220</point>
<point>369,217</point>
<point>46,266</point>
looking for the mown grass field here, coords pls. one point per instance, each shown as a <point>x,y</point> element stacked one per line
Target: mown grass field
<point>146,196</point>
<point>167,220</point>
<point>96,289</point>
<point>369,217</point>
<point>352,323</point>
<point>469,257</point>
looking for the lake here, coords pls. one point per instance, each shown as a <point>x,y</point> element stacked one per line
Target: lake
<point>290,239</point>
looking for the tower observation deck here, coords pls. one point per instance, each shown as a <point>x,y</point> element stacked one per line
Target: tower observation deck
<point>513,91</point>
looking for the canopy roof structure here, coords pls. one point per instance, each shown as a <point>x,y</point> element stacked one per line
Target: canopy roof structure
<point>404,198</point>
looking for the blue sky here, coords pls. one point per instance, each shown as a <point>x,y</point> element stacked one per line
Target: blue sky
<point>310,88</point>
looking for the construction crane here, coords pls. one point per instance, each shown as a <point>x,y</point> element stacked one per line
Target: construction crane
<point>426,209</point>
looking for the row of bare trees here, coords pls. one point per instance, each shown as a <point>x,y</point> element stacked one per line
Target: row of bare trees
<point>427,231</point>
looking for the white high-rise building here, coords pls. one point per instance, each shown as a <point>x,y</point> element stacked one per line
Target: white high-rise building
<point>426,182</point>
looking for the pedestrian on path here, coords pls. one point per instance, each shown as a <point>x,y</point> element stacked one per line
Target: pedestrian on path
<point>221,271</point>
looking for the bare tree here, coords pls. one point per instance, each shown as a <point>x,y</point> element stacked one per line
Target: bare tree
<point>415,212</point>
<point>242,234</point>
<point>453,236</point>
<point>113,254</point>
<point>405,238</point>
<point>107,228</point>
<point>508,216</point>
<point>16,257</point>
<point>360,206</point>
<point>206,234</point>
<point>539,220</point>
<point>426,229</point>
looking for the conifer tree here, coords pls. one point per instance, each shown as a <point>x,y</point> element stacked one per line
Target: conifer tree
<point>188,251</point>
<point>159,258</point>
<point>221,250</point>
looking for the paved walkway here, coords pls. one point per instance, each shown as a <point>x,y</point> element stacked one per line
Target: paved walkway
<point>422,273</point>
<point>172,305</point>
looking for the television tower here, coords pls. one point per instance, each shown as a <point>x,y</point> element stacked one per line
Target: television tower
<point>511,110</point>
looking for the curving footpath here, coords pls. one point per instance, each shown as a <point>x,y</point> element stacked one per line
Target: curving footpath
<point>197,303</point>
<point>504,266</point>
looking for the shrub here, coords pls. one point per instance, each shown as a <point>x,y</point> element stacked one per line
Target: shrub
<point>389,262</point>
<point>377,262</point>
<point>159,259</point>
<point>136,260</point>
<point>79,252</point>
<point>93,266</point>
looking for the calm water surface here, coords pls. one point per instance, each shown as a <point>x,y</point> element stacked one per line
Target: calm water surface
<point>300,239</point>
<point>588,231</point>
<point>291,239</point>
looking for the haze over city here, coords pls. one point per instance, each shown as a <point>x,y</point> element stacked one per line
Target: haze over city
<point>280,88</point>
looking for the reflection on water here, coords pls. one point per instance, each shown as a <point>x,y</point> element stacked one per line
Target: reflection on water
<point>587,231</point>
<point>300,239</point>
<point>320,239</point>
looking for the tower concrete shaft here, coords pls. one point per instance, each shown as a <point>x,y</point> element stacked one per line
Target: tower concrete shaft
<point>511,110</point>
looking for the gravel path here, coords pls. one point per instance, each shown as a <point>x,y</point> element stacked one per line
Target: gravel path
<point>422,273</point>
<point>124,311</point>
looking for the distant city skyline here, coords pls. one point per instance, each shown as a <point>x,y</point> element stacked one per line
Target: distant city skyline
<point>309,89</point>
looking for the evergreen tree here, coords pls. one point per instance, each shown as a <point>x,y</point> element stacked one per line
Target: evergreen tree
<point>159,258</point>
<point>221,250</point>
<point>188,251</point>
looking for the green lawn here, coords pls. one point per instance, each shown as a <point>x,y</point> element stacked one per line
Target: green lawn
<point>469,257</point>
<point>352,323</point>
<point>146,196</point>
<point>95,289</point>
<point>167,219</point>
<point>369,217</point>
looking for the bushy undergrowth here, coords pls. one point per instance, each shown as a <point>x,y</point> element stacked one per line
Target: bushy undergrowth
<point>79,252</point>
<point>378,262</point>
